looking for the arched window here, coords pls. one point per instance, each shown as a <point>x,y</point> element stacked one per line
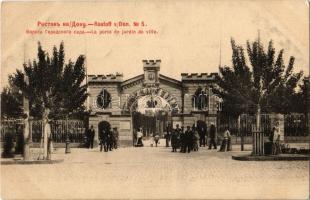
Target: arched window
<point>104,99</point>
<point>200,99</point>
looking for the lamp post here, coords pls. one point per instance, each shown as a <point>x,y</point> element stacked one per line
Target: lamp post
<point>67,136</point>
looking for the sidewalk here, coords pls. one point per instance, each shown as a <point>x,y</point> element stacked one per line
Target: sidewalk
<point>247,147</point>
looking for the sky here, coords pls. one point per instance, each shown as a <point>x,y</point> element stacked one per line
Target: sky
<point>189,35</point>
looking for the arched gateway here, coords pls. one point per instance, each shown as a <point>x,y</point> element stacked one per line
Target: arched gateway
<point>150,100</point>
<point>151,109</point>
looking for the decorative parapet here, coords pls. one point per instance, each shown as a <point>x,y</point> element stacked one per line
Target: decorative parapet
<point>151,63</point>
<point>118,77</point>
<point>198,77</point>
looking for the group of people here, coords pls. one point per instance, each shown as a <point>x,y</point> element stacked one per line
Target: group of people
<point>186,140</point>
<point>108,138</point>
<point>190,139</point>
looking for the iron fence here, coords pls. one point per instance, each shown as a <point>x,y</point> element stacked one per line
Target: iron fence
<point>294,124</point>
<point>60,130</point>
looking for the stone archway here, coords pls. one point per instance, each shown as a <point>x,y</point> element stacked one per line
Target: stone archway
<point>151,109</point>
<point>159,95</point>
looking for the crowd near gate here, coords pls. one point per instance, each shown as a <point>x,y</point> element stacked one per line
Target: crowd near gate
<point>61,130</point>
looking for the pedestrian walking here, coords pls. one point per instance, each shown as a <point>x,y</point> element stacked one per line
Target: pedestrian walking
<point>212,136</point>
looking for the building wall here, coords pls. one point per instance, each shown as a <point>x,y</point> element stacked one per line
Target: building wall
<point>120,90</point>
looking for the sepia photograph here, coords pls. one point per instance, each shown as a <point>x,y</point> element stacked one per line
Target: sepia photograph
<point>141,99</point>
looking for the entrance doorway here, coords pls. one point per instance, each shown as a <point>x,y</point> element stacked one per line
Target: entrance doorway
<point>150,122</point>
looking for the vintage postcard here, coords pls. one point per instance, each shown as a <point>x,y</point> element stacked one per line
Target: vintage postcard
<point>171,99</point>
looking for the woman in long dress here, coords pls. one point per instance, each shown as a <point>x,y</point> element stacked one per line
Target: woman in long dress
<point>139,138</point>
<point>226,140</point>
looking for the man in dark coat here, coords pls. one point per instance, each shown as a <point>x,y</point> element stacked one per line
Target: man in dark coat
<point>175,138</point>
<point>182,141</point>
<point>188,139</point>
<point>91,135</point>
<point>110,140</point>
<point>103,140</point>
<point>115,138</point>
<point>212,136</point>
<point>202,136</point>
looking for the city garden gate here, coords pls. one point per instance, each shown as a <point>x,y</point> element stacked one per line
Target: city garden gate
<point>151,110</point>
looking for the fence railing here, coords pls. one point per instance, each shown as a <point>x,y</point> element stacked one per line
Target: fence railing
<point>60,129</point>
<point>294,125</point>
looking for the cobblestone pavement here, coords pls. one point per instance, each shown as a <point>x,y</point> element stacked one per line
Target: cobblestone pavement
<point>155,173</point>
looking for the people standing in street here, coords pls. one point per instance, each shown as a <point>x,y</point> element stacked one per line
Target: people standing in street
<point>276,140</point>
<point>195,139</point>
<point>91,136</point>
<point>110,139</point>
<point>188,139</point>
<point>212,136</point>
<point>174,140</point>
<point>151,139</point>
<point>115,138</point>
<point>103,140</point>
<point>202,136</point>
<point>168,135</point>
<point>182,141</point>
<point>139,138</point>
<point>226,136</point>
<point>87,138</point>
<point>229,146</point>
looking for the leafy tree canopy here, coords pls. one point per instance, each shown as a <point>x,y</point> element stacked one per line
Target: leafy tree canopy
<point>262,80</point>
<point>52,83</point>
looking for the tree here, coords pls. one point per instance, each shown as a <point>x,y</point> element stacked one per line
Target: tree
<point>302,98</point>
<point>53,84</point>
<point>11,102</point>
<point>269,84</point>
